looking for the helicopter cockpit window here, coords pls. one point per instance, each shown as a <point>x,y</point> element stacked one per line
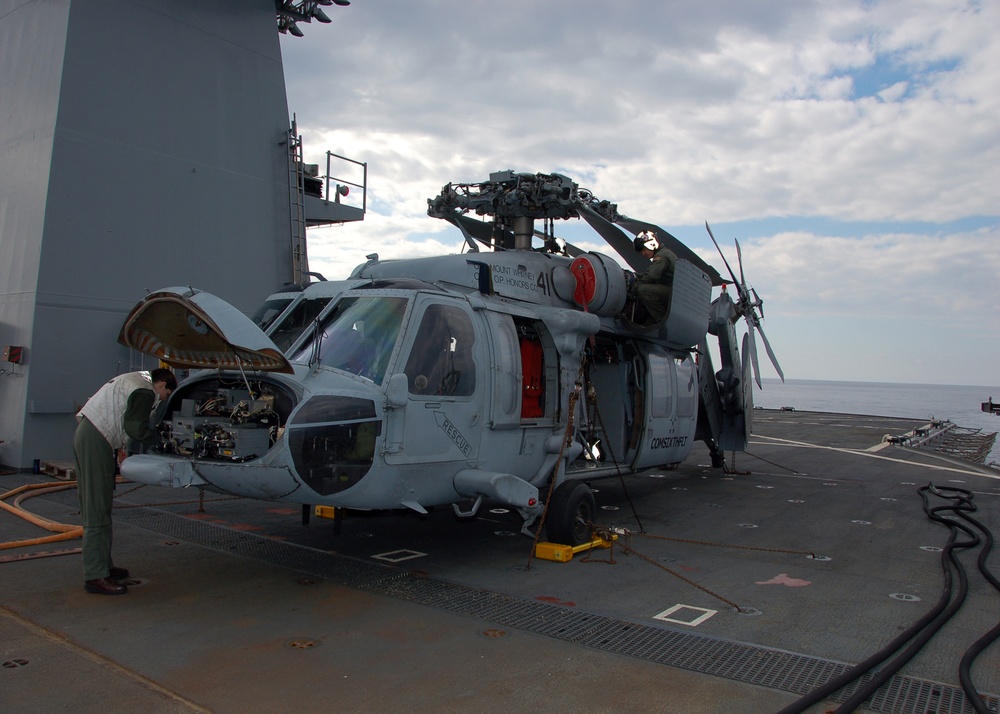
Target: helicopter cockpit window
<point>284,333</point>
<point>358,336</point>
<point>270,311</point>
<point>295,322</point>
<point>441,361</point>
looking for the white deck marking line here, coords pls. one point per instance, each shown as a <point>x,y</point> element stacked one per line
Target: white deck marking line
<point>665,615</point>
<point>868,454</point>
<point>398,556</point>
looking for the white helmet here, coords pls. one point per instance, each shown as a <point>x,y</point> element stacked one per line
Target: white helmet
<point>646,241</point>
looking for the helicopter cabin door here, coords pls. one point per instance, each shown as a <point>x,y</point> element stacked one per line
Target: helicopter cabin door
<point>442,419</point>
<point>671,410</point>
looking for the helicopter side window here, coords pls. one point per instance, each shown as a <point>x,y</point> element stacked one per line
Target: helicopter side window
<point>687,395</point>
<point>441,361</point>
<point>661,382</point>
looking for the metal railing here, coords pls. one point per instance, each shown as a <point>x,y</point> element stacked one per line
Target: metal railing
<point>340,183</point>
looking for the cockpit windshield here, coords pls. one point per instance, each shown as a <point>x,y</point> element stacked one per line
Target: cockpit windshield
<point>358,336</point>
<point>270,311</point>
<point>295,321</point>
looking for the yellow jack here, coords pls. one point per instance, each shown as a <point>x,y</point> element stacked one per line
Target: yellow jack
<point>564,553</point>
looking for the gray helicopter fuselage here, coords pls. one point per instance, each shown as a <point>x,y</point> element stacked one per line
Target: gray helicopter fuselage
<point>447,380</point>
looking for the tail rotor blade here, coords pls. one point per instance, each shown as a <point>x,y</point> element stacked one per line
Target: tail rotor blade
<point>753,356</point>
<point>745,290</point>
<point>726,262</point>
<point>758,302</point>
<point>770,352</point>
<point>747,308</point>
<point>739,257</point>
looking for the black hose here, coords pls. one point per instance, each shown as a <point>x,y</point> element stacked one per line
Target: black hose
<point>924,635</point>
<point>933,619</point>
<point>965,666</point>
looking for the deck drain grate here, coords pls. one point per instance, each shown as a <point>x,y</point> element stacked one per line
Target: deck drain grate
<point>753,664</point>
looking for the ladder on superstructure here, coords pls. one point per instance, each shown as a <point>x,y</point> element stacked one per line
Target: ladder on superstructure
<point>296,207</point>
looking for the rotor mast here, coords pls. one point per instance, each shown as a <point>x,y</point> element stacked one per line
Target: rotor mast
<point>514,201</point>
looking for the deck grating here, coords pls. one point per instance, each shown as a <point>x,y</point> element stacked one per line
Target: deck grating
<point>753,664</point>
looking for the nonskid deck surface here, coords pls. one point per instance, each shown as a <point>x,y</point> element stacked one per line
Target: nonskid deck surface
<point>745,590</point>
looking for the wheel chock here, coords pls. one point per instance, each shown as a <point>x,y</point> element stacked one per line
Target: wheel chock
<point>325,511</point>
<point>564,553</point>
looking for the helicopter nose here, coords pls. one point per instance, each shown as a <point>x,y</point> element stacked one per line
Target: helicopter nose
<point>331,439</point>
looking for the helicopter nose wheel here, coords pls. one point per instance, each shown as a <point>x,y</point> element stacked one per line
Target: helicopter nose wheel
<point>570,514</point>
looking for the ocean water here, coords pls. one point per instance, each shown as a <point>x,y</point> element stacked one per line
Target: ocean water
<point>959,404</point>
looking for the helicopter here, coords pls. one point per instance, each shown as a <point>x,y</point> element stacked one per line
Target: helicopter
<point>512,372</point>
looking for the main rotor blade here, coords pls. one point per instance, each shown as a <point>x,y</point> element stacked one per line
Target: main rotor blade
<point>484,233</point>
<point>726,262</point>
<point>615,237</point>
<point>456,221</point>
<point>481,231</point>
<point>678,248</point>
<point>770,352</point>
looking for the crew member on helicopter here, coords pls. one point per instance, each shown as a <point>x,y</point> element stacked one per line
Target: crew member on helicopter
<point>654,287</point>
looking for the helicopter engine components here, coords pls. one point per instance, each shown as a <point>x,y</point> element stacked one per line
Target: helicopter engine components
<point>212,440</point>
<point>222,424</point>
<point>600,284</point>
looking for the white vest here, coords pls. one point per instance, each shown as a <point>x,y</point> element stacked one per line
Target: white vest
<point>106,409</point>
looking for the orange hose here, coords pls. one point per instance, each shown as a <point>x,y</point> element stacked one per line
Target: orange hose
<point>68,535</point>
<point>63,531</point>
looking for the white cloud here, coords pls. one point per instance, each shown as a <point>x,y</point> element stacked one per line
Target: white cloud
<point>749,114</point>
<point>728,111</point>
<point>894,92</point>
<point>895,276</point>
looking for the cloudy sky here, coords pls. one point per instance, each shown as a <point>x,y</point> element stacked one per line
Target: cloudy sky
<point>853,149</point>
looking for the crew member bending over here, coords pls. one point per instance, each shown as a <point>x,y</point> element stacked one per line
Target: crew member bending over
<point>116,415</point>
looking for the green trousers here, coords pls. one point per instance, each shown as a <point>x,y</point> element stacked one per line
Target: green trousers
<point>656,298</point>
<point>95,481</point>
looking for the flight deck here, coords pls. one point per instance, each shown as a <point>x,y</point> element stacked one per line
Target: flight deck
<point>737,590</point>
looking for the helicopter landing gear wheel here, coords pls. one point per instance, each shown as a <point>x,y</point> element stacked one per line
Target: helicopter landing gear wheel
<point>570,514</point>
